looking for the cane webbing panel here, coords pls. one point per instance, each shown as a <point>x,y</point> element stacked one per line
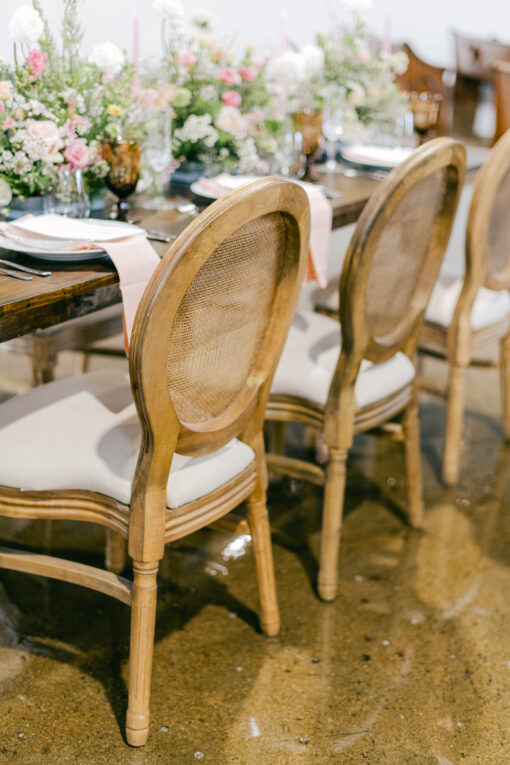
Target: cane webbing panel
<point>222,319</point>
<point>400,254</point>
<point>498,244</point>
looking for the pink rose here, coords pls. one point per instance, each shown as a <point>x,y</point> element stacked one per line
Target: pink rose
<point>216,55</point>
<point>228,76</point>
<point>187,59</point>
<point>231,121</point>
<point>36,62</point>
<point>363,56</point>
<point>45,132</point>
<point>8,123</point>
<point>251,120</point>
<point>231,98</point>
<point>77,154</point>
<point>248,73</point>
<point>258,62</point>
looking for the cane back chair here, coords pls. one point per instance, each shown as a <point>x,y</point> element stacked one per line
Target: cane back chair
<point>469,310</point>
<point>205,344</point>
<point>346,385</point>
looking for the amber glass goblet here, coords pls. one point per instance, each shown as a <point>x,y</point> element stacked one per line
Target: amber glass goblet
<point>309,126</point>
<point>425,107</point>
<point>123,157</point>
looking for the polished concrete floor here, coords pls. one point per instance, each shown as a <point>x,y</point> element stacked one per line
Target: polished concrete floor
<point>411,664</point>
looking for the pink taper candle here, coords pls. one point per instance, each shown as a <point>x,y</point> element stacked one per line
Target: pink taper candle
<point>386,43</point>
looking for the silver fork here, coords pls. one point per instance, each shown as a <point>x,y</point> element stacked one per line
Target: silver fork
<point>25,269</point>
<point>15,274</point>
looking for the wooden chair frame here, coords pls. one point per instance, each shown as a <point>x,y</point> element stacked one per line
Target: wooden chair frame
<point>146,523</point>
<point>459,341</point>
<point>340,419</point>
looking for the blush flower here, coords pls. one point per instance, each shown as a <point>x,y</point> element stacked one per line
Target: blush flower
<point>36,62</point>
<point>42,140</point>
<point>8,123</point>
<point>228,76</point>
<point>231,98</point>
<point>230,120</point>
<point>77,154</point>
<point>248,73</point>
<point>5,89</point>
<point>187,59</point>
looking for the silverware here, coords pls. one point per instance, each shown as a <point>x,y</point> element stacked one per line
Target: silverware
<point>15,274</point>
<point>26,269</point>
<point>376,175</point>
<point>190,208</point>
<point>159,236</point>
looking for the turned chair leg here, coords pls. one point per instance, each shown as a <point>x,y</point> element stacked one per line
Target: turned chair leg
<point>454,420</point>
<point>334,490</point>
<point>505,384</point>
<point>115,553</point>
<point>276,432</point>
<point>143,620</point>
<point>411,426</point>
<point>258,519</point>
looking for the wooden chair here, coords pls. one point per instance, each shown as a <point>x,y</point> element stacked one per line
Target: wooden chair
<point>475,58</point>
<point>205,344</point>
<point>470,308</point>
<point>420,76</point>
<point>502,97</point>
<point>349,385</point>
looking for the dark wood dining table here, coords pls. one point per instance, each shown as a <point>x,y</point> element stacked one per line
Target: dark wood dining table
<point>77,289</point>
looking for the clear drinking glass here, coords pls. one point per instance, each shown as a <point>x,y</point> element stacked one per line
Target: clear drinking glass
<point>69,197</point>
<point>157,155</point>
<point>333,123</point>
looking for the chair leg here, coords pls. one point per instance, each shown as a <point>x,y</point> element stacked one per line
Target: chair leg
<point>454,419</point>
<point>261,535</point>
<point>505,384</point>
<point>143,619</point>
<point>277,437</point>
<point>115,553</point>
<point>44,362</point>
<point>334,490</point>
<point>411,425</point>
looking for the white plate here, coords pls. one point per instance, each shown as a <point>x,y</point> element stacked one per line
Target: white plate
<point>200,191</point>
<point>384,157</point>
<point>72,255</point>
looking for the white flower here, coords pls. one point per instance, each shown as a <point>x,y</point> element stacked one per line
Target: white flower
<point>313,58</point>
<point>25,25</point>
<point>107,57</point>
<point>291,66</point>
<point>197,128</point>
<point>203,19</point>
<point>248,157</point>
<point>169,9</point>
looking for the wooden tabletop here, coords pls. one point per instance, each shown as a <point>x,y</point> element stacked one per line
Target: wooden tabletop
<point>79,289</point>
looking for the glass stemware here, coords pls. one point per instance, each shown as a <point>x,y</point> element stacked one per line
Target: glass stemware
<point>333,123</point>
<point>157,154</point>
<point>308,127</point>
<point>425,107</point>
<point>69,197</point>
<point>123,157</point>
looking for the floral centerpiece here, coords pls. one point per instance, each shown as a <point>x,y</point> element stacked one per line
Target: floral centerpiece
<point>365,69</point>
<point>220,102</point>
<point>56,106</point>
<point>300,78</point>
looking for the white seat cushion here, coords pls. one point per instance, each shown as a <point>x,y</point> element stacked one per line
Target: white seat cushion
<point>83,433</point>
<point>309,360</point>
<point>490,306</point>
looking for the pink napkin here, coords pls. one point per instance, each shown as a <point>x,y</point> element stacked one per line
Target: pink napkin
<point>321,221</point>
<point>135,260</point>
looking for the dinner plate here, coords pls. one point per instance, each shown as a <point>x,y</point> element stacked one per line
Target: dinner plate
<point>237,181</point>
<point>379,157</point>
<point>69,255</point>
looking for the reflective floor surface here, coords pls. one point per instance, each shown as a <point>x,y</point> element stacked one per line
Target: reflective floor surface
<point>411,664</point>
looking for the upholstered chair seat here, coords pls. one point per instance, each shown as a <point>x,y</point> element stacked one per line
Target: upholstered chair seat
<point>83,432</point>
